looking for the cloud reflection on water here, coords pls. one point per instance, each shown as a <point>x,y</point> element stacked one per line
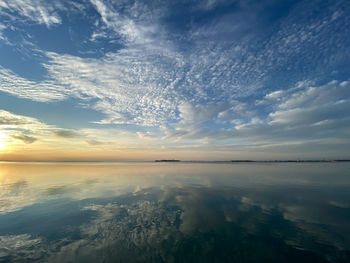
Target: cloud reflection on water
<point>166,213</point>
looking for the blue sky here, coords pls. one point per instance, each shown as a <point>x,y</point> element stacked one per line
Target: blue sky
<point>194,79</point>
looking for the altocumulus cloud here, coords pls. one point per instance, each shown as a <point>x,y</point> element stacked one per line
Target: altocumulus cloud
<point>238,77</point>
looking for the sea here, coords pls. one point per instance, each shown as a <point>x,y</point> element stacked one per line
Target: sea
<point>174,212</point>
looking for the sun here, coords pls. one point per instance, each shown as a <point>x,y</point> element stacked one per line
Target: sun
<point>2,146</point>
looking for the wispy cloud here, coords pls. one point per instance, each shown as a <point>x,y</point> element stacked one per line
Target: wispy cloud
<point>2,28</point>
<point>312,104</point>
<point>38,91</point>
<point>41,12</point>
<point>135,22</point>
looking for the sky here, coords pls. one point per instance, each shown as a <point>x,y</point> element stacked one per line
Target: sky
<point>103,80</point>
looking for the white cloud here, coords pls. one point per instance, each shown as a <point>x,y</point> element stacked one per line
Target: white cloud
<point>316,118</point>
<point>310,115</point>
<point>304,114</point>
<point>275,95</point>
<point>315,96</point>
<point>193,114</point>
<point>200,121</point>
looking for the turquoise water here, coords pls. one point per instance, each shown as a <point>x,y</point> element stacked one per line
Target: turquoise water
<point>176,212</point>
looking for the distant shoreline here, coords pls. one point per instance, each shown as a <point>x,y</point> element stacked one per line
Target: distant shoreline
<point>263,161</point>
<point>290,161</point>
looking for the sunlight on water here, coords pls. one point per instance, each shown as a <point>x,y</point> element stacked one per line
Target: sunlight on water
<point>184,212</point>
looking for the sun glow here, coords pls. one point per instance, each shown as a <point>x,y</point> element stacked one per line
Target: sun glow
<point>2,146</point>
<point>3,141</point>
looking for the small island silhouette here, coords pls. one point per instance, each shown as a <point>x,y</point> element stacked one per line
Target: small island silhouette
<point>166,161</point>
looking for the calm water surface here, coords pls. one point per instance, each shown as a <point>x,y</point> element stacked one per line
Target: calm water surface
<point>178,212</point>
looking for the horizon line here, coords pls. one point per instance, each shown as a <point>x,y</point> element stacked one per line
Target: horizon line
<point>181,161</point>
